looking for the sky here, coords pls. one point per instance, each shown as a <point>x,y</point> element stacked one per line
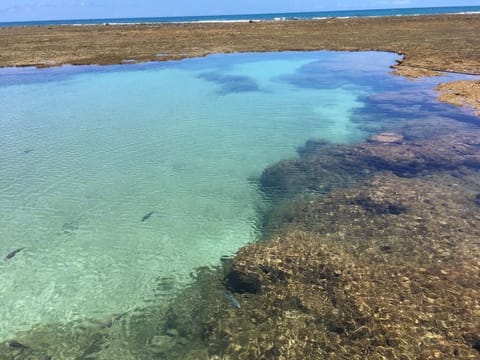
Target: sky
<point>28,10</point>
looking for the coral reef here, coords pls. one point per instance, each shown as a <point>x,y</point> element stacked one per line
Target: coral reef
<point>386,137</point>
<point>389,269</point>
<point>322,167</point>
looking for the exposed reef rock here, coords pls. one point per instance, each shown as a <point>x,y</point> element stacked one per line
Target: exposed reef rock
<point>461,93</point>
<point>413,158</point>
<point>429,44</point>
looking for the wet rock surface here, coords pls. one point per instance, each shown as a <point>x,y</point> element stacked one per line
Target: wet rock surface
<point>461,93</point>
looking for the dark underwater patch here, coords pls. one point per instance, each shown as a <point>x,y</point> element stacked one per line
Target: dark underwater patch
<point>322,75</point>
<point>12,254</point>
<point>70,227</point>
<point>231,83</point>
<point>391,109</point>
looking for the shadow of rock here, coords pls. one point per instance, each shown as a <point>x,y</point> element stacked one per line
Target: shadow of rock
<point>231,83</point>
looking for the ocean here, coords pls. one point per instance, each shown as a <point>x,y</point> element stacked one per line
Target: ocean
<point>257,17</point>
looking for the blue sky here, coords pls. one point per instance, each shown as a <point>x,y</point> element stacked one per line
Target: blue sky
<point>25,10</point>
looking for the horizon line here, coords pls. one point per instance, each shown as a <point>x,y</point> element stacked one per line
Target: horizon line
<point>237,14</point>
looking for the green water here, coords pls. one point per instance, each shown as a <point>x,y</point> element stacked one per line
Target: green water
<point>86,153</point>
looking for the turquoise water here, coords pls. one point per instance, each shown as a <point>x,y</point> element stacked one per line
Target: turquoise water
<point>119,181</point>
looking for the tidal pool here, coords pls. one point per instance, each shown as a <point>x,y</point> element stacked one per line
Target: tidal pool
<point>117,182</point>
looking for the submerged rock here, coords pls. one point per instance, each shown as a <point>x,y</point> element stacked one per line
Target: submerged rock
<point>386,137</point>
<point>381,263</point>
<point>419,157</point>
<point>330,286</point>
<point>325,168</point>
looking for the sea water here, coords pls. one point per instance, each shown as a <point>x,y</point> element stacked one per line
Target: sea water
<point>307,15</point>
<point>117,182</point>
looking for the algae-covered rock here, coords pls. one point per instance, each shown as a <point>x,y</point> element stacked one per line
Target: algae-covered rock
<point>360,280</point>
<point>376,253</point>
<point>321,169</point>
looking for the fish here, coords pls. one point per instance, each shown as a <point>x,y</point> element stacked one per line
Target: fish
<point>27,151</point>
<point>14,344</point>
<point>107,324</point>
<point>147,216</point>
<point>231,300</point>
<point>17,345</point>
<point>69,227</point>
<point>13,253</point>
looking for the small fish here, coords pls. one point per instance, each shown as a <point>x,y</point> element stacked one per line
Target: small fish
<point>231,300</point>
<point>13,253</point>
<point>70,227</point>
<point>17,345</point>
<point>27,151</point>
<point>147,216</point>
<point>107,324</point>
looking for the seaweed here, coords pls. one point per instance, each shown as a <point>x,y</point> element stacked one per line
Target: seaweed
<point>231,83</point>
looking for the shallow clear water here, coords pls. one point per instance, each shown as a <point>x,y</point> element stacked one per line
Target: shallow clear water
<point>119,181</point>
